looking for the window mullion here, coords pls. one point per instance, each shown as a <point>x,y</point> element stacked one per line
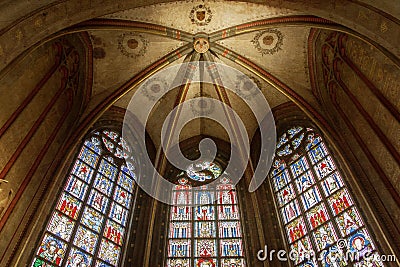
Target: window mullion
<point>84,201</point>
<point>301,206</point>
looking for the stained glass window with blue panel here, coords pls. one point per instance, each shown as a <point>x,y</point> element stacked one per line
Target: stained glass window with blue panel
<point>304,181</point>
<point>209,231</point>
<point>319,209</point>
<point>180,230</point>
<point>83,171</point>
<point>281,180</point>
<point>103,185</point>
<point>76,187</point>
<point>125,182</point>
<point>89,223</point>
<point>89,156</point>
<point>92,219</point>
<point>61,226</point>
<point>108,169</point>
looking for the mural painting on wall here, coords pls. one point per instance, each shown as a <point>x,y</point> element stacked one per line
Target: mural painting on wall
<point>98,47</point>
<point>374,72</point>
<point>351,68</point>
<point>382,73</point>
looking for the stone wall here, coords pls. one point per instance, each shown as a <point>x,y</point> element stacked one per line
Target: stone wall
<point>42,97</point>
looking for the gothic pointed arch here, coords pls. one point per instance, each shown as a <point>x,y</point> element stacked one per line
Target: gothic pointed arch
<point>94,218</point>
<point>205,223</point>
<point>319,209</point>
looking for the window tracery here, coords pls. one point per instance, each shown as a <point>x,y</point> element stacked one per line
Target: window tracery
<point>317,210</point>
<point>88,226</point>
<point>204,224</point>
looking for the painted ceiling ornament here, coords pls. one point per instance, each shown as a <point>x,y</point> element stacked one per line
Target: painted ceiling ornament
<point>203,105</point>
<point>98,47</point>
<point>268,41</point>
<point>201,45</point>
<point>132,44</point>
<point>200,15</point>
<point>154,87</point>
<point>246,87</point>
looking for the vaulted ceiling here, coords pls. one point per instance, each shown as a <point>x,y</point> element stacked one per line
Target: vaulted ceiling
<point>64,63</point>
<point>270,43</point>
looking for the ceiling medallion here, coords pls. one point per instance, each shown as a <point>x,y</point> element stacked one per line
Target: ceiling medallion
<point>201,45</point>
<point>154,88</point>
<point>268,41</point>
<point>200,15</point>
<point>246,87</point>
<point>202,105</point>
<point>132,45</point>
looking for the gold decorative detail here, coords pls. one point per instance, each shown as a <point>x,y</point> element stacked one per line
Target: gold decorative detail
<point>384,27</point>
<point>38,22</point>
<point>362,15</point>
<point>201,45</point>
<point>19,35</point>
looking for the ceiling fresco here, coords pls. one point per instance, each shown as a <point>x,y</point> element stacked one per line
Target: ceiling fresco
<point>122,50</point>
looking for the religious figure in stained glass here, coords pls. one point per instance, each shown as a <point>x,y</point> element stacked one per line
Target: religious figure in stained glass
<point>349,221</point>
<point>69,205</point>
<point>314,221</point>
<point>88,226</point>
<point>61,226</point>
<point>52,250</point>
<point>78,259</point>
<point>334,257</point>
<point>212,236</point>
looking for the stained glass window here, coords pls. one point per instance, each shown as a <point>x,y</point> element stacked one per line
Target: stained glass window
<point>321,221</point>
<point>88,226</point>
<point>203,171</point>
<point>204,224</point>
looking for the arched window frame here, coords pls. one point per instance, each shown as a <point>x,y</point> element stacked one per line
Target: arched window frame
<point>290,151</point>
<point>184,184</point>
<point>109,148</point>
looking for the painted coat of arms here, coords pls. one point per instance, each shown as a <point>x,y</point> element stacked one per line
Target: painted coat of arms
<point>200,15</point>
